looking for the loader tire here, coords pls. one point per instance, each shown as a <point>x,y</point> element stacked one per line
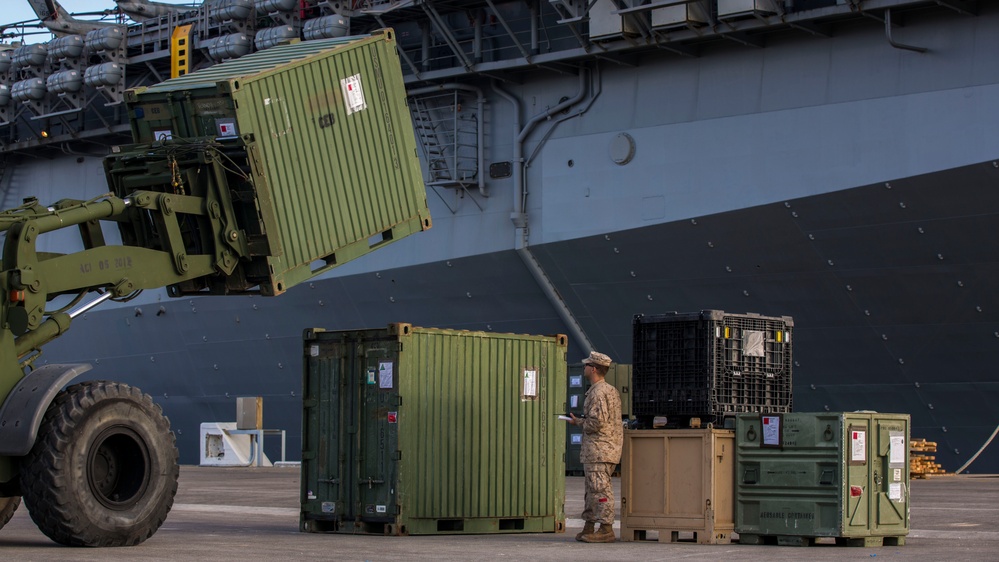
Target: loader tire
<point>7,508</point>
<point>103,471</point>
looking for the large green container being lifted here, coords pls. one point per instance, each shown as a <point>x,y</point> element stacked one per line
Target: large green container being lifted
<point>418,431</point>
<point>309,146</point>
<point>800,477</point>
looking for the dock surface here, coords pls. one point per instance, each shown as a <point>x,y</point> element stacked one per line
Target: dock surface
<point>252,514</point>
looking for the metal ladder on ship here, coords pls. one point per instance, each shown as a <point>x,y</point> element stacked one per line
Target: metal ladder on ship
<point>444,137</point>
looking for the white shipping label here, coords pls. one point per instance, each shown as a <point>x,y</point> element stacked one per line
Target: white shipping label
<point>576,439</point>
<point>163,135</point>
<point>898,474</point>
<point>754,344</point>
<point>530,383</point>
<point>353,94</point>
<point>314,351</point>
<point>380,509</point>
<point>277,116</point>
<point>896,450</point>
<point>858,446</point>
<point>385,374</point>
<point>576,381</point>
<point>895,491</point>
<point>574,401</point>
<point>771,431</point>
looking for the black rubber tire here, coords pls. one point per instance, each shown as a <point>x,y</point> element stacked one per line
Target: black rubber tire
<point>103,471</point>
<point>7,508</point>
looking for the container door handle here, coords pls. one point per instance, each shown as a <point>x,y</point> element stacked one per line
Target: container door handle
<point>370,482</point>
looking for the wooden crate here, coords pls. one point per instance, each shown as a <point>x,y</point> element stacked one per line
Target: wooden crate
<point>677,481</point>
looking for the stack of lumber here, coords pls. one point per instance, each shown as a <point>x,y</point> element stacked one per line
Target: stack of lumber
<point>922,465</point>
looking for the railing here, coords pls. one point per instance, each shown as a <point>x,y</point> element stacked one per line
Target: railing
<point>448,137</point>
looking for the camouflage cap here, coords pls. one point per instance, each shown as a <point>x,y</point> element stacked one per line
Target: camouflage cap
<point>597,358</point>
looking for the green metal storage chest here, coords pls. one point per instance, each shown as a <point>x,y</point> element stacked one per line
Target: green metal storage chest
<point>618,376</point>
<point>410,430</point>
<point>312,141</point>
<point>804,476</point>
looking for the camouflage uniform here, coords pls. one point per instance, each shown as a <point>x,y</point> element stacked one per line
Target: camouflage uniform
<point>603,436</point>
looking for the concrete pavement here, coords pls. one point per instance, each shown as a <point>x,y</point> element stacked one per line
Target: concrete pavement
<point>252,514</point>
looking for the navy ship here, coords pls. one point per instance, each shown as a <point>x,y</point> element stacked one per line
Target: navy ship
<point>836,161</point>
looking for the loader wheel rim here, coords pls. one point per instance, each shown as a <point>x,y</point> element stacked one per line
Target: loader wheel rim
<point>118,468</point>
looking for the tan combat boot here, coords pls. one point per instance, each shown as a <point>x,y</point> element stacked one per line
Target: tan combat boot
<point>604,534</point>
<point>587,530</point>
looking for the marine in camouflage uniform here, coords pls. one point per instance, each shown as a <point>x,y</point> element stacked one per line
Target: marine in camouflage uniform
<point>603,436</point>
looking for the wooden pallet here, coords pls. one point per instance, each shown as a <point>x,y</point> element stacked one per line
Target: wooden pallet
<point>922,465</point>
<point>699,536</point>
<point>788,540</point>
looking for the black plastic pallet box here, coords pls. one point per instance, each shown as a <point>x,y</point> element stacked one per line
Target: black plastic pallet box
<point>710,365</point>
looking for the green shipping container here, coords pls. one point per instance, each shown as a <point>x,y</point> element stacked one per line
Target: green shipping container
<point>311,145</point>
<point>805,476</point>
<point>618,376</point>
<point>411,430</point>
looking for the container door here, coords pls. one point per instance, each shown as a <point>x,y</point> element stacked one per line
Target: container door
<point>325,477</point>
<point>377,440</point>
<point>891,475</point>
<point>859,487</point>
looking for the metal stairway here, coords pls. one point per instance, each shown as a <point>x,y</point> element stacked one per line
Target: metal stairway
<point>448,139</point>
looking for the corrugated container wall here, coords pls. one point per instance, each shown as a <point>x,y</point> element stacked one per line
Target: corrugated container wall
<point>410,430</point>
<point>321,132</point>
<point>804,476</point>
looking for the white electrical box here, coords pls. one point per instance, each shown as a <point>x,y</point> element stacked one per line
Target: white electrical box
<point>220,447</point>
<point>605,24</point>
<point>682,15</point>
<point>730,9</point>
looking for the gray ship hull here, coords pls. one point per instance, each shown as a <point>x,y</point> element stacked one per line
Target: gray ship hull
<point>895,308</point>
<point>835,179</point>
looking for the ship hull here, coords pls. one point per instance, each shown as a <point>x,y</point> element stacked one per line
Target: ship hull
<point>831,177</point>
<point>891,287</point>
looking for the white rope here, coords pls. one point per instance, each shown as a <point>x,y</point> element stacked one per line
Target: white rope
<point>972,459</point>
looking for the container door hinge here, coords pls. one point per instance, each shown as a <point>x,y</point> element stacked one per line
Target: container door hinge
<point>398,455</point>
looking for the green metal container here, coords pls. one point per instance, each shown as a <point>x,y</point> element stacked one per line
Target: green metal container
<point>618,376</point>
<point>313,140</point>
<point>805,476</point>
<point>411,430</point>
